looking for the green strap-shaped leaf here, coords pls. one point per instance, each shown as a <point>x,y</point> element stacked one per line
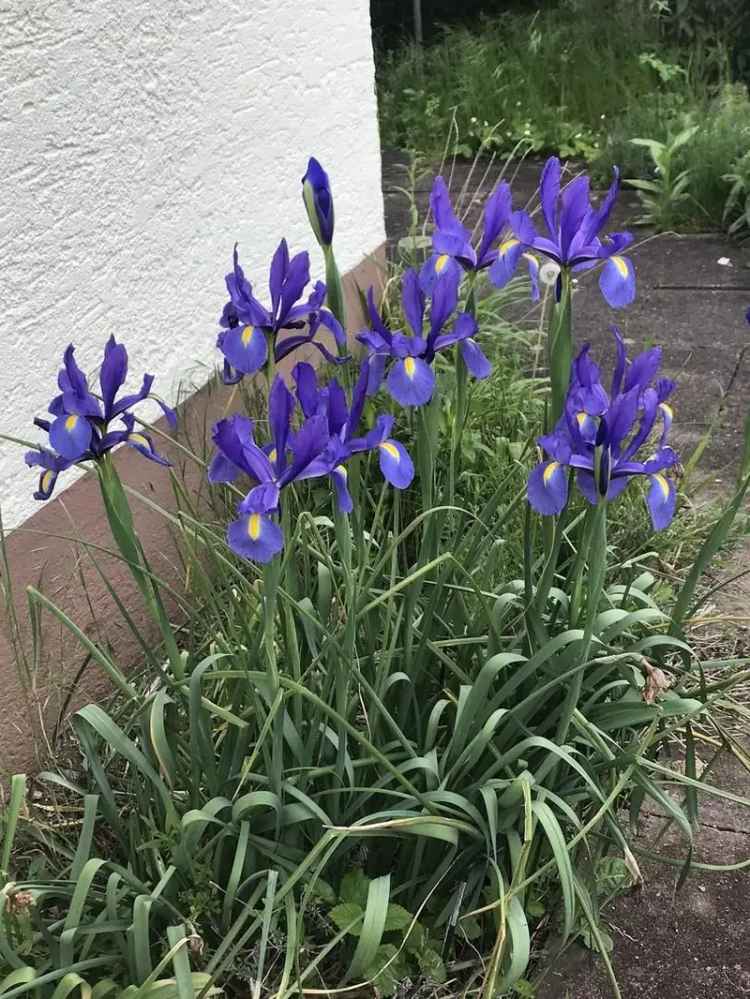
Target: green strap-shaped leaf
<point>373,926</point>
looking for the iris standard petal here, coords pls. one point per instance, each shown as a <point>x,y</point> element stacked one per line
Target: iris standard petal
<point>549,192</point>
<point>277,276</point>
<point>280,409</point>
<point>307,387</point>
<point>297,276</point>
<point>245,348</point>
<point>442,210</point>
<point>375,372</point>
<point>574,206</point>
<point>411,381</point>
<point>547,488</point>
<point>474,358</point>
<point>617,282</point>
<point>113,373</point>
<point>497,212</point>
<point>643,368</point>
<point>395,463</point>
<point>70,436</point>
<point>75,391</point>
<point>661,501</point>
<point>444,301</point>
<point>596,221</point>
<point>413,301</point>
<point>255,536</point>
<point>359,394</point>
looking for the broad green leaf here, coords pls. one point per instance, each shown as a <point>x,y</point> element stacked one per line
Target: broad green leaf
<point>348,916</point>
<point>354,887</point>
<point>396,918</point>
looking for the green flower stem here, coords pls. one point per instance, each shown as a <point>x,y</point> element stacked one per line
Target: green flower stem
<point>594,553</point>
<point>560,348</point>
<point>335,290</point>
<point>461,401</point>
<point>121,524</point>
<point>344,544</point>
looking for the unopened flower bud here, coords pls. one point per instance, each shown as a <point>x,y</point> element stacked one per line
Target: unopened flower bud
<point>316,193</point>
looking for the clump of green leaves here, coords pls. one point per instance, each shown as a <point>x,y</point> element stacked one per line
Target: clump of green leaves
<point>662,198</point>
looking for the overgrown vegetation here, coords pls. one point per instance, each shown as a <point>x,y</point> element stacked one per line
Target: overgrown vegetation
<point>400,750</point>
<point>584,80</point>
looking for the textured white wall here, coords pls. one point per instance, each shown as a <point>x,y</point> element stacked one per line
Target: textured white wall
<point>138,141</point>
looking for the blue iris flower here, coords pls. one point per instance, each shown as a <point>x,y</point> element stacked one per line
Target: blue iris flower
<point>601,433</point>
<point>248,327</point>
<point>573,237</point>
<point>80,430</point>
<point>451,240</point>
<point>411,379</point>
<point>256,534</point>
<point>320,448</point>
<point>343,422</point>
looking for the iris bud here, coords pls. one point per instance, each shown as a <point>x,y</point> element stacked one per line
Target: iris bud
<point>316,193</point>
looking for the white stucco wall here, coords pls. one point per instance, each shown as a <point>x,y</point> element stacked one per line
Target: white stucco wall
<point>138,141</point>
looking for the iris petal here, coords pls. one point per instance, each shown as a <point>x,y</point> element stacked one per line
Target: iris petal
<point>70,436</point>
<point>339,477</point>
<point>411,382</point>
<point>255,536</point>
<point>474,358</point>
<point>395,463</point>
<point>617,282</point>
<point>661,501</point>
<point>548,488</point>
<point>245,348</point>
<point>508,254</point>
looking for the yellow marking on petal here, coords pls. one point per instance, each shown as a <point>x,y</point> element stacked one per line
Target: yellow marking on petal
<point>247,335</point>
<point>390,449</point>
<point>70,423</point>
<point>441,261</point>
<point>530,258</point>
<point>667,410</point>
<point>410,367</point>
<point>661,481</point>
<point>621,266</point>
<point>581,418</point>
<point>507,244</point>
<point>549,471</point>
<point>340,470</point>
<point>138,439</point>
<point>46,481</point>
<point>253,526</point>
<point>272,455</point>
